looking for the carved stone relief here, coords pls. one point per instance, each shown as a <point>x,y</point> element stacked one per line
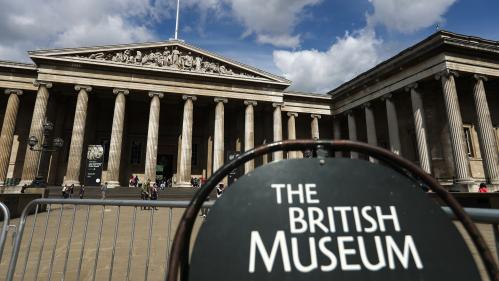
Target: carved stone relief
<point>170,57</point>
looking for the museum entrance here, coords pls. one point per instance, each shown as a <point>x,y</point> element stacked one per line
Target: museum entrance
<point>164,167</point>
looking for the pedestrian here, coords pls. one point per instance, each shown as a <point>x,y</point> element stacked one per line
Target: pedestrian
<point>143,195</point>
<point>483,188</point>
<point>71,190</point>
<point>82,191</point>
<point>103,190</point>
<point>131,181</point>
<point>136,181</point>
<point>162,185</point>
<point>154,194</point>
<point>204,211</point>
<point>220,190</point>
<point>64,191</point>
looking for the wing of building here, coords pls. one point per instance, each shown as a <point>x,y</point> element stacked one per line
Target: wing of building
<point>435,103</point>
<point>171,110</point>
<point>159,110</point>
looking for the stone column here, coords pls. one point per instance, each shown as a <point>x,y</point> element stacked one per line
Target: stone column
<point>393,125</point>
<point>352,131</point>
<point>31,158</point>
<point>77,136</point>
<point>292,131</point>
<point>315,126</point>
<point>152,137</point>
<point>488,145</point>
<point>115,147</point>
<point>370,127</point>
<point>456,131</point>
<point>420,127</point>
<point>218,142</point>
<point>185,160</point>
<point>249,132</point>
<point>337,133</point>
<point>8,127</point>
<point>277,129</point>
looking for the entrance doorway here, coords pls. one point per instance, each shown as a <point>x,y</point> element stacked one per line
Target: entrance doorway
<point>164,167</point>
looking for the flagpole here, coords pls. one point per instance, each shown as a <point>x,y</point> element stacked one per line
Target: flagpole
<point>176,24</point>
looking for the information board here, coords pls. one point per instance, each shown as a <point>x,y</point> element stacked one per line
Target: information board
<point>94,163</point>
<point>343,219</point>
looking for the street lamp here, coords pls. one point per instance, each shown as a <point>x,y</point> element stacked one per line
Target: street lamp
<point>48,145</point>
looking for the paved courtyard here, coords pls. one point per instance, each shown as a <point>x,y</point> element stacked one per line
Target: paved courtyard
<point>146,262</point>
<point>160,238</point>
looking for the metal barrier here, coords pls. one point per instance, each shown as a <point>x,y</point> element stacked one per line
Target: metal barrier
<point>81,212</point>
<point>488,216</point>
<point>5,227</point>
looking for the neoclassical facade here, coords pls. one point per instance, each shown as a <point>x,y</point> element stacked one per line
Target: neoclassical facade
<point>164,109</point>
<point>170,109</point>
<point>435,103</point>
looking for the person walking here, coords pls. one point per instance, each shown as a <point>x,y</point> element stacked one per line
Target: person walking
<point>144,195</point>
<point>154,194</point>
<point>82,191</point>
<point>71,190</point>
<point>220,190</point>
<point>103,190</point>
<point>64,191</point>
<point>483,188</point>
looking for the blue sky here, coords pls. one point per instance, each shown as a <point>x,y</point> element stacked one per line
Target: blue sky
<point>318,44</point>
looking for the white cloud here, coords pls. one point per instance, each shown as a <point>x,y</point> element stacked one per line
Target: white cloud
<point>352,54</point>
<point>316,71</point>
<point>32,24</point>
<point>273,21</point>
<point>408,15</point>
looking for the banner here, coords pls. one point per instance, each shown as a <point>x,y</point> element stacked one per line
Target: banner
<point>95,161</point>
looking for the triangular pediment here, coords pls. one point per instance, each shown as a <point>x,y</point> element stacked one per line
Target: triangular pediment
<point>169,56</point>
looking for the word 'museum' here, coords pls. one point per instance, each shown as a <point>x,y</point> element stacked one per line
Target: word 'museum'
<point>348,234</point>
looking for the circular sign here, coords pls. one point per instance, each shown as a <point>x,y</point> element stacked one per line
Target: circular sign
<point>342,219</point>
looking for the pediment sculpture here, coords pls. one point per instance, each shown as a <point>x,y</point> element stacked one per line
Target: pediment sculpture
<point>169,57</point>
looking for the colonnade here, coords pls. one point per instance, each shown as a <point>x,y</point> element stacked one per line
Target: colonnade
<point>486,134</point>
<point>76,150</point>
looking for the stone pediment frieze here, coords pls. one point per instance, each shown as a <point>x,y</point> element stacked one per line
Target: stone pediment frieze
<point>170,56</point>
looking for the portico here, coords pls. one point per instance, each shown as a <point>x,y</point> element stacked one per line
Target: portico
<point>156,112</point>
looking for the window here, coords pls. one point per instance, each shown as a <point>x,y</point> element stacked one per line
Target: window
<point>136,152</point>
<point>468,141</point>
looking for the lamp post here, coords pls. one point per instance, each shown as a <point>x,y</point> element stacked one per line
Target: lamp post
<point>49,144</point>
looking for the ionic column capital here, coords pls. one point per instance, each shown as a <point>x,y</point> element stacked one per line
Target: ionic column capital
<point>159,94</point>
<point>446,73</point>
<point>294,114</point>
<point>222,100</point>
<point>250,102</point>
<point>480,77</point>
<point>121,91</point>
<point>13,91</point>
<point>277,104</point>
<point>411,87</point>
<point>366,105</point>
<point>387,97</point>
<point>313,116</point>
<point>349,112</point>
<point>39,83</point>
<point>83,87</point>
<point>187,97</point>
